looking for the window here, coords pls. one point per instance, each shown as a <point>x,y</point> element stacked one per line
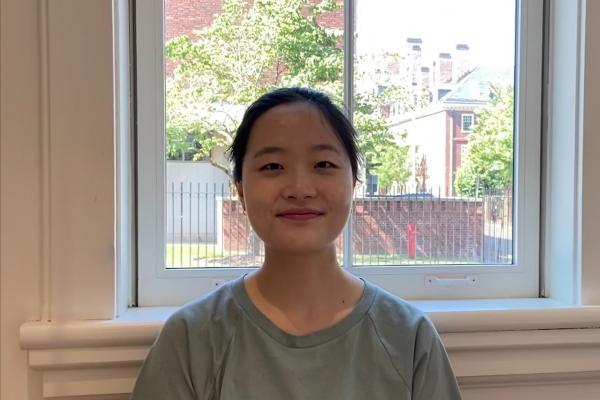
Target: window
<point>425,219</point>
<point>467,122</point>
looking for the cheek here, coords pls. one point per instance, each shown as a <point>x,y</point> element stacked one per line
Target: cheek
<point>340,200</point>
<point>259,202</point>
<point>343,191</point>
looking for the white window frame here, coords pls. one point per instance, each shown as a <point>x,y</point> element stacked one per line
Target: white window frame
<point>159,286</point>
<point>462,122</point>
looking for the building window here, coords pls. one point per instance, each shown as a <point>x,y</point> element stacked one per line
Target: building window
<point>215,57</point>
<point>466,123</point>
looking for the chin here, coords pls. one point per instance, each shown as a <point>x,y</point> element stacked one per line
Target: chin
<point>303,247</point>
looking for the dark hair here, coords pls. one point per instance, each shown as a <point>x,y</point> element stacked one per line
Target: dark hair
<point>334,116</point>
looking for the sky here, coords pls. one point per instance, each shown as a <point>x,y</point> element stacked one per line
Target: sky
<point>487,26</point>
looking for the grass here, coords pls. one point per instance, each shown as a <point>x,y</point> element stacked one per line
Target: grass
<point>198,256</point>
<point>178,255</point>
<point>401,259</point>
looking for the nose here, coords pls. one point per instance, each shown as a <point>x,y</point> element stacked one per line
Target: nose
<point>299,185</point>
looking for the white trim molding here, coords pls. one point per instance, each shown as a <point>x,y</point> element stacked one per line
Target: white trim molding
<point>524,357</point>
<point>46,162</point>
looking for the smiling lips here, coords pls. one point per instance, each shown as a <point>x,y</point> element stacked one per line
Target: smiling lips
<point>300,214</point>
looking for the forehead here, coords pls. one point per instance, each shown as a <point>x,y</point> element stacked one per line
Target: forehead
<point>294,125</point>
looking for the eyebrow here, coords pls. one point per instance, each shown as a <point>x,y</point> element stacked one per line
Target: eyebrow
<point>274,149</point>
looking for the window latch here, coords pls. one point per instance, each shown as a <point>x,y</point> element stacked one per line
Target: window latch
<point>451,280</point>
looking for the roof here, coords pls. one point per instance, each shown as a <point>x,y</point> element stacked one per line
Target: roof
<point>434,108</point>
<point>471,92</point>
<point>474,88</point>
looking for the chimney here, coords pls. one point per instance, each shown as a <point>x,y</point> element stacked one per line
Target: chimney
<point>425,80</point>
<point>445,65</point>
<point>462,61</point>
<point>413,42</point>
<point>414,58</point>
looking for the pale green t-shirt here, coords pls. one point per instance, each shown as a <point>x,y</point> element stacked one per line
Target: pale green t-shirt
<point>222,347</point>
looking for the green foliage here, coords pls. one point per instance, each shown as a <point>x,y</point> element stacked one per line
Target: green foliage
<point>249,50</point>
<point>385,158</point>
<point>489,163</point>
<point>393,166</point>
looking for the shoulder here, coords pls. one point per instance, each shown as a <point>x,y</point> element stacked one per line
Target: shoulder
<point>390,312</point>
<point>210,317</point>
<point>401,328</point>
<point>413,346</point>
<point>189,349</point>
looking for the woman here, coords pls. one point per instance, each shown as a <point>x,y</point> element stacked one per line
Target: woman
<point>300,327</point>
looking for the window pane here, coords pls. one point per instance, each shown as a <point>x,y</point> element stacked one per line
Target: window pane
<point>467,122</point>
<point>220,56</point>
<point>433,105</point>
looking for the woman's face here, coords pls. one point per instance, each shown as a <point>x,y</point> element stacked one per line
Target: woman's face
<point>297,181</point>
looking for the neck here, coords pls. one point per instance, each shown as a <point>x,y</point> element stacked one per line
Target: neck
<point>303,293</point>
<point>310,280</point>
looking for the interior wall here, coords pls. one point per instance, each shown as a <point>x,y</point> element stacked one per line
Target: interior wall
<point>590,251</point>
<point>20,191</point>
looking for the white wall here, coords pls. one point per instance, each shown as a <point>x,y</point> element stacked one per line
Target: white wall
<point>194,219</point>
<point>428,134</point>
<point>20,212</point>
<point>591,161</point>
<point>57,196</point>
<point>57,233</point>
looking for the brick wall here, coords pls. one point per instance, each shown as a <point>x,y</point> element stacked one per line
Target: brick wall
<point>236,228</point>
<point>445,62</point>
<point>446,229</point>
<point>182,17</point>
<point>334,19</point>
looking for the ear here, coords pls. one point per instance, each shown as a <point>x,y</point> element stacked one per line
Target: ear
<point>240,191</point>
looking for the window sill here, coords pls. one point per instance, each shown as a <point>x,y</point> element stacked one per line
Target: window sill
<point>139,326</point>
<point>490,342</point>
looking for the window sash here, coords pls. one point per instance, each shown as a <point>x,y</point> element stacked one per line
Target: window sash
<point>467,117</point>
<point>159,286</point>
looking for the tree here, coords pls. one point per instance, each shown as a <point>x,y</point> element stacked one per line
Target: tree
<point>489,163</point>
<point>385,158</point>
<point>422,174</point>
<point>392,168</point>
<point>250,49</point>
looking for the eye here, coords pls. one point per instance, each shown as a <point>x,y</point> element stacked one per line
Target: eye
<point>325,164</point>
<point>271,167</point>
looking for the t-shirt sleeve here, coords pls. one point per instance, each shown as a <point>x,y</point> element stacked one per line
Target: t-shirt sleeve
<point>166,372</point>
<point>433,378</point>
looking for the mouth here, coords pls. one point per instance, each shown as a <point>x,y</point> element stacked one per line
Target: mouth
<point>300,215</point>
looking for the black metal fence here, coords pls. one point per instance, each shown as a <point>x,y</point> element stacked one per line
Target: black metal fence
<point>206,229</point>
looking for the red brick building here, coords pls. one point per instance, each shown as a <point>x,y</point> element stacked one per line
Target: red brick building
<point>441,131</point>
<point>182,17</point>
